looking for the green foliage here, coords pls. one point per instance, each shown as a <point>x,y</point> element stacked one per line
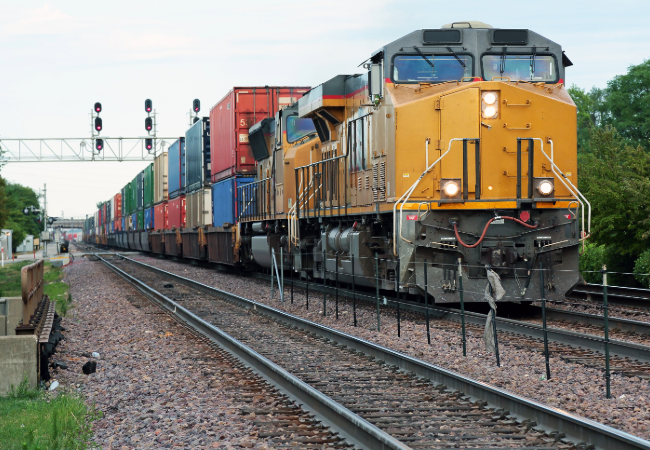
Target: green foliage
<point>591,263</point>
<point>615,178</point>
<point>642,269</point>
<point>33,420</point>
<point>627,100</point>
<point>621,105</point>
<point>590,110</point>
<point>10,279</point>
<point>17,198</point>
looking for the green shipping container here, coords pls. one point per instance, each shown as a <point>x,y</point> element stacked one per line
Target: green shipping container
<point>140,220</point>
<point>126,200</point>
<point>134,195</point>
<point>148,186</point>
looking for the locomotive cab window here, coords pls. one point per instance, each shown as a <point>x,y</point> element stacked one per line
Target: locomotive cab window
<point>520,67</point>
<point>299,128</point>
<point>427,68</point>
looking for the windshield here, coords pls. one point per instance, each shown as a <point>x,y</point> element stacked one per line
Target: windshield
<point>415,69</point>
<point>520,67</point>
<point>299,128</point>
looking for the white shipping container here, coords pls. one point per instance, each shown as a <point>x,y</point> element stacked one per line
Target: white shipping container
<point>160,170</point>
<point>199,208</point>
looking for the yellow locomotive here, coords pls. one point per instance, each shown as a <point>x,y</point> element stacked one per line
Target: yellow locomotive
<point>456,150</point>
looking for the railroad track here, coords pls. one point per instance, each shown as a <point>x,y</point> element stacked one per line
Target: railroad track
<point>616,295</point>
<point>277,417</point>
<point>393,400</point>
<point>582,347</point>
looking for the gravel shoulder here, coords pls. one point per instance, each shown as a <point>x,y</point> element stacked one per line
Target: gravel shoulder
<point>157,385</point>
<point>574,388</point>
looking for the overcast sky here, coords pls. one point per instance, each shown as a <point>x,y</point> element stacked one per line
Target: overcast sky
<point>58,58</point>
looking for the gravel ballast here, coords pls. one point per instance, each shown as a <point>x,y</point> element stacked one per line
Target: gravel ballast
<point>156,384</point>
<point>573,387</point>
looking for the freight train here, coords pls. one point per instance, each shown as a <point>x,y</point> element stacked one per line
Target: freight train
<point>455,150</point>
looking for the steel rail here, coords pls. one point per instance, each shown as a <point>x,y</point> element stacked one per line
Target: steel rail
<point>576,429</point>
<point>634,326</point>
<point>617,347</point>
<point>619,295</point>
<point>353,428</point>
<point>595,343</point>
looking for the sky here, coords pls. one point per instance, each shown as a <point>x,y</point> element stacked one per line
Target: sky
<point>58,58</point>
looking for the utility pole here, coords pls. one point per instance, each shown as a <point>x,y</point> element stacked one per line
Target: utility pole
<point>45,219</point>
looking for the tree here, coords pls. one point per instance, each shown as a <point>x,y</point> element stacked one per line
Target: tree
<point>17,198</point>
<point>590,111</point>
<point>627,100</point>
<point>615,178</point>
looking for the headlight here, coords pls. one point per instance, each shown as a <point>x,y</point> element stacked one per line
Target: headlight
<point>490,98</point>
<point>544,187</point>
<point>490,104</point>
<point>450,188</point>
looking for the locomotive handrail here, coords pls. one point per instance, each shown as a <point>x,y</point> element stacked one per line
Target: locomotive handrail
<point>408,193</point>
<point>320,162</point>
<point>577,194</point>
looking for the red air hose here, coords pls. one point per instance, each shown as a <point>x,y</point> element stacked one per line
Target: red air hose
<point>486,228</point>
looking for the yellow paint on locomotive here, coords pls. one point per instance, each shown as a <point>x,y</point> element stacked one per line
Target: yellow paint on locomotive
<point>453,110</point>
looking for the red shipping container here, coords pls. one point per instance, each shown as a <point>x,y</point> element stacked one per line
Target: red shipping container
<point>117,206</point>
<point>176,212</point>
<point>160,218</point>
<point>230,119</point>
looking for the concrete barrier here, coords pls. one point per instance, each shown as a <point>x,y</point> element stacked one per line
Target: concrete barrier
<point>18,358</point>
<point>11,313</point>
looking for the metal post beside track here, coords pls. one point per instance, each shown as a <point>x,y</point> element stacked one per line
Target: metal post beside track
<point>606,318</point>
<point>462,305</point>
<point>337,288</point>
<point>307,289</point>
<point>377,291</point>
<point>546,355</point>
<point>292,269</point>
<point>281,276</point>
<point>324,281</point>
<point>354,292</point>
<point>399,325</point>
<point>426,300</point>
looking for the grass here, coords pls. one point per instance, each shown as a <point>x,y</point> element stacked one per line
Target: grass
<point>54,288</point>
<point>35,420</point>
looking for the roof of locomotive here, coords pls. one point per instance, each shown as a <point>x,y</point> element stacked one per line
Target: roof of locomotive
<point>475,38</point>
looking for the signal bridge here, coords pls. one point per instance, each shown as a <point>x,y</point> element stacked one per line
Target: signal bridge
<point>82,149</point>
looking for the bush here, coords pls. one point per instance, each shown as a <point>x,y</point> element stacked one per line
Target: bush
<point>618,264</point>
<point>591,263</point>
<point>641,267</point>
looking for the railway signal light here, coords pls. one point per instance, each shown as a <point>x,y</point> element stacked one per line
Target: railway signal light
<point>196,105</point>
<point>148,105</point>
<point>99,144</point>
<point>98,123</point>
<point>148,143</point>
<point>98,107</point>
<point>148,124</point>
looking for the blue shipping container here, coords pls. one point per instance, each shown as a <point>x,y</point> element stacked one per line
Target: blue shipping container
<point>197,155</point>
<point>134,221</point>
<point>176,168</point>
<point>148,219</point>
<point>224,200</point>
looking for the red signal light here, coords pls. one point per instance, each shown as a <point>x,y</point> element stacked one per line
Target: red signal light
<point>98,124</point>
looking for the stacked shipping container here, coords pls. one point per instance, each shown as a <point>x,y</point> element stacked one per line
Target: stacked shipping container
<point>197,175</point>
<point>176,184</point>
<point>232,159</point>
<point>160,189</point>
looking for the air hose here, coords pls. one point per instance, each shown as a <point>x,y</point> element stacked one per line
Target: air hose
<point>514,219</point>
